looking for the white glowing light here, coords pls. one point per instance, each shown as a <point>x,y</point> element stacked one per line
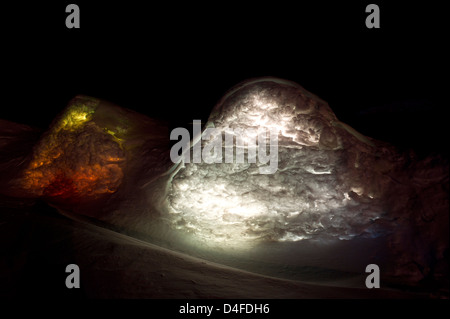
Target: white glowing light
<point>357,190</point>
<point>231,203</point>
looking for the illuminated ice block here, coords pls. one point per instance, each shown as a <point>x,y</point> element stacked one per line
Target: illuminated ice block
<point>330,181</point>
<point>88,149</point>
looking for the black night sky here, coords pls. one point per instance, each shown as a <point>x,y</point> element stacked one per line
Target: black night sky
<point>174,61</point>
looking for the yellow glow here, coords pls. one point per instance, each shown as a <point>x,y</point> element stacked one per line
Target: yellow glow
<point>80,116</point>
<point>76,115</point>
<point>74,120</point>
<point>113,134</point>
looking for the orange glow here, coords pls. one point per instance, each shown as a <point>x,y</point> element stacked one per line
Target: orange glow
<point>85,181</point>
<point>75,159</point>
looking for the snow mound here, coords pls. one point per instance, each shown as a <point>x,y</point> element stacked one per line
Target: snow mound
<point>88,149</point>
<point>331,181</point>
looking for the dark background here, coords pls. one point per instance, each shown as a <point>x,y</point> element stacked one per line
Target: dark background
<point>175,60</point>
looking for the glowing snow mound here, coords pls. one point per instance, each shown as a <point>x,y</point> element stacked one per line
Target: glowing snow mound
<point>329,182</point>
<point>87,151</point>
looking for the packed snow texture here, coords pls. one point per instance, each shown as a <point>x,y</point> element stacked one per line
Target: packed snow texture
<point>330,181</point>
<point>86,152</point>
<point>77,157</point>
